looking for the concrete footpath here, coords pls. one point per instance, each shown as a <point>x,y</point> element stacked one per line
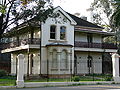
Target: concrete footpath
<point>45,84</point>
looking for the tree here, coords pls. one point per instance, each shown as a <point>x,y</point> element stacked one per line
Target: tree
<point>14,12</point>
<point>115,18</point>
<point>102,10</point>
<point>115,22</point>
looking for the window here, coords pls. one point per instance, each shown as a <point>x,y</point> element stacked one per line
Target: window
<point>64,61</point>
<point>62,32</point>
<point>52,32</point>
<point>89,38</point>
<point>54,59</point>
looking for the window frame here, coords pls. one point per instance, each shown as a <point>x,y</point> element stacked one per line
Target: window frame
<point>64,60</point>
<point>51,32</point>
<point>63,33</point>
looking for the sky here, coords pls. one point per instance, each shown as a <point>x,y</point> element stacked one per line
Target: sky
<point>74,6</point>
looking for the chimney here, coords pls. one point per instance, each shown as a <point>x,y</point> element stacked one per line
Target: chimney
<point>84,18</point>
<point>77,14</point>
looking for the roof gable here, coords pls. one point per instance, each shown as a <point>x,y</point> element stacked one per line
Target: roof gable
<point>72,21</point>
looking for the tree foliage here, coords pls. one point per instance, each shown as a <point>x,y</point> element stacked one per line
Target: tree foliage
<point>115,18</point>
<point>14,12</point>
<point>102,11</point>
<point>115,21</point>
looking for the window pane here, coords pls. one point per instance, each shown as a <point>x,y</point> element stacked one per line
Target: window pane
<point>54,59</point>
<point>64,61</point>
<point>53,28</point>
<point>62,32</point>
<point>52,32</point>
<point>52,36</point>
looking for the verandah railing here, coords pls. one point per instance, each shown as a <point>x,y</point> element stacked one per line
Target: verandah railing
<point>95,45</point>
<point>16,43</point>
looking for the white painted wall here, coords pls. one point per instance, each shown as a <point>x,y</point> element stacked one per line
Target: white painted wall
<point>80,36</point>
<point>82,62</point>
<point>45,39</point>
<point>44,58</point>
<point>97,38</point>
<point>59,69</point>
<point>82,67</point>
<point>46,31</point>
<point>13,64</point>
<point>36,63</point>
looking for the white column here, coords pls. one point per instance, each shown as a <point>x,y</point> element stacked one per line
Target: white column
<point>69,61</point>
<point>115,62</point>
<point>59,58</point>
<point>57,32</point>
<point>50,62</point>
<point>20,71</point>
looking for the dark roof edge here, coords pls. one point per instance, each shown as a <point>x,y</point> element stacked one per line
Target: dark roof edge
<point>75,17</point>
<point>97,32</point>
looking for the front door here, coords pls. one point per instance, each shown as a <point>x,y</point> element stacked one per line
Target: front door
<point>90,64</point>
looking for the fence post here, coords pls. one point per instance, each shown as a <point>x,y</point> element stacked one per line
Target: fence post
<point>115,62</point>
<point>20,71</point>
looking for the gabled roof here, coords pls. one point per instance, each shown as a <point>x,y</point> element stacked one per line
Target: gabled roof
<point>73,22</point>
<point>76,21</point>
<point>81,22</point>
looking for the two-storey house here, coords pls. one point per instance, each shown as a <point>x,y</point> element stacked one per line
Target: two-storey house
<point>60,46</point>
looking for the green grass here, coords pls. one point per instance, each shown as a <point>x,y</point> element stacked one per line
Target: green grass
<point>49,80</point>
<point>10,80</point>
<point>7,81</point>
<point>82,78</point>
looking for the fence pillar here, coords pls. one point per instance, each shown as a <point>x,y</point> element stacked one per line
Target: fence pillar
<point>20,71</point>
<point>115,62</point>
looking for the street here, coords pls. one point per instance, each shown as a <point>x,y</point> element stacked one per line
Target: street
<point>82,87</point>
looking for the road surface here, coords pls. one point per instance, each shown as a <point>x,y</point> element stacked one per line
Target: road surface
<point>83,87</point>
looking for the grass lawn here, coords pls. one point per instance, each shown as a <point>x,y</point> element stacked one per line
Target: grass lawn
<point>7,81</point>
<point>10,80</point>
<point>82,78</point>
<point>49,80</point>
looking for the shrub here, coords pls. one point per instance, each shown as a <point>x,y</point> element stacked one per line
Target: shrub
<point>76,79</point>
<point>3,73</point>
<point>113,83</point>
<point>108,79</point>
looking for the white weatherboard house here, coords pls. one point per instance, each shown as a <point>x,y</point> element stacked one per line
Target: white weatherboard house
<point>59,47</point>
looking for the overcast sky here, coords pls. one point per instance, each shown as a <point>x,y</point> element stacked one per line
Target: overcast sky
<point>73,6</point>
